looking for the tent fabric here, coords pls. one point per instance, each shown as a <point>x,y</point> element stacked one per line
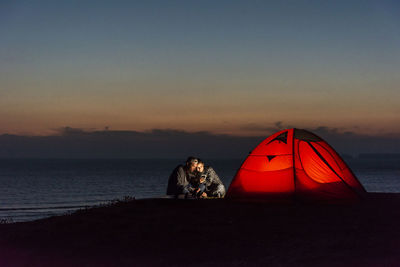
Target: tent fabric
<point>294,162</point>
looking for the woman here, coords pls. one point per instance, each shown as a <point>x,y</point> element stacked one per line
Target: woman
<point>208,177</point>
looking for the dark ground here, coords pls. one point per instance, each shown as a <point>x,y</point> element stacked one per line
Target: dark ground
<point>211,232</point>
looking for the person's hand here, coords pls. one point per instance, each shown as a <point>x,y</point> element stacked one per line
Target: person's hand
<point>202,180</point>
<point>204,195</point>
<point>198,189</point>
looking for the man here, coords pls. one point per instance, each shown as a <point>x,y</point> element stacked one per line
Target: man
<point>213,184</point>
<point>179,181</point>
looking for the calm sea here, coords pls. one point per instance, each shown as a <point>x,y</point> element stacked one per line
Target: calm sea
<point>35,188</point>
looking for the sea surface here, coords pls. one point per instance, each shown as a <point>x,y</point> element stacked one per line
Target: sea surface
<point>36,188</point>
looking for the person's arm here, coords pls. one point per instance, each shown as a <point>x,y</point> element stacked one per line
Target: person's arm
<point>203,179</point>
<point>181,180</point>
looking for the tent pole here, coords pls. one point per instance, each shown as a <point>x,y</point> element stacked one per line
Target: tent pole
<point>333,170</point>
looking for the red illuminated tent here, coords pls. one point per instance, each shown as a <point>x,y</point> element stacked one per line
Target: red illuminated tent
<point>294,162</point>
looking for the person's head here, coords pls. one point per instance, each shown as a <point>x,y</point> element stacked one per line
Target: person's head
<point>200,166</point>
<point>191,163</point>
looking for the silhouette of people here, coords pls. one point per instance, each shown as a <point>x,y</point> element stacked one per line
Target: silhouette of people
<point>179,182</point>
<point>195,180</point>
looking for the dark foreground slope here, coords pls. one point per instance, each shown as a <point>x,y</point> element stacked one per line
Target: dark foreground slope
<point>211,232</point>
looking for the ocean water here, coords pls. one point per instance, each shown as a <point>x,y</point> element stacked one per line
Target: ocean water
<point>35,188</point>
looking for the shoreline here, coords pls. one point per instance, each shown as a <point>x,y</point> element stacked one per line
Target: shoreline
<point>159,232</point>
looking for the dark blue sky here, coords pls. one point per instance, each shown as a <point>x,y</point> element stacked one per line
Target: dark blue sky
<point>232,67</point>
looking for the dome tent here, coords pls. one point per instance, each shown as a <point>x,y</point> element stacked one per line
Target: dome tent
<point>294,162</point>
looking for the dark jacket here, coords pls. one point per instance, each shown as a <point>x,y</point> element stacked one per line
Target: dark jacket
<point>178,180</point>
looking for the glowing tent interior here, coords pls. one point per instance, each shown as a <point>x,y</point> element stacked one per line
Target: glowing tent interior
<point>294,162</point>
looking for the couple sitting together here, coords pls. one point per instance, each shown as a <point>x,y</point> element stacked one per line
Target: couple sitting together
<point>194,180</point>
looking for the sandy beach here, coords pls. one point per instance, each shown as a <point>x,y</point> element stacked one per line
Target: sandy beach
<point>161,232</point>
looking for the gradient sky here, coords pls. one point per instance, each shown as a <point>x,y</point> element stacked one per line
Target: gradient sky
<point>235,67</point>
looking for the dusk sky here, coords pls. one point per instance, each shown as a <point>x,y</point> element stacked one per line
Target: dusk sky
<point>225,67</point>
